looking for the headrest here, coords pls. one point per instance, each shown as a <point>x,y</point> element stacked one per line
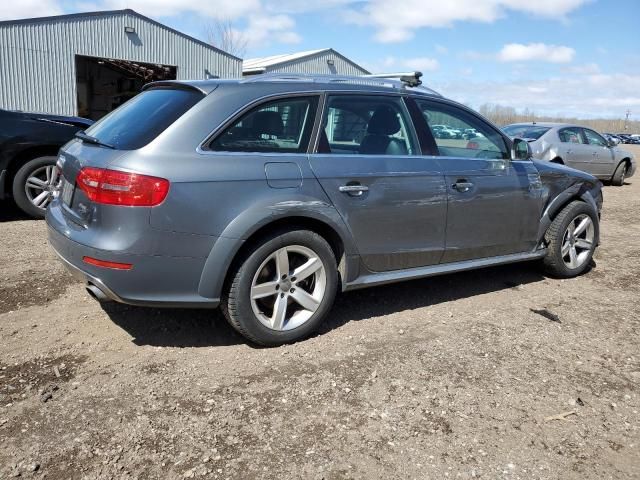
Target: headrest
<point>384,121</point>
<point>267,123</point>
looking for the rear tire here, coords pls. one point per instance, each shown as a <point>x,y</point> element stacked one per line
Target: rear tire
<point>261,301</point>
<point>571,241</point>
<point>34,185</point>
<point>619,175</point>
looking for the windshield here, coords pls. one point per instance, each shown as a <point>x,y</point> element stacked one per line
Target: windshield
<point>144,117</point>
<point>525,131</point>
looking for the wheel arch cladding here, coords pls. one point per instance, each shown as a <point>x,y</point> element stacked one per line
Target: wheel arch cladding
<point>581,191</point>
<point>232,245</point>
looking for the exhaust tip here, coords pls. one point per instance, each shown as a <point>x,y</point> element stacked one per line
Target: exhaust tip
<point>97,294</point>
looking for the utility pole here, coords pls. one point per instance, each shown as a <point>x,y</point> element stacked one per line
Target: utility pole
<point>626,120</point>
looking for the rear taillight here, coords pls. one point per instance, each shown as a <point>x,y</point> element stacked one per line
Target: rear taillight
<point>113,187</point>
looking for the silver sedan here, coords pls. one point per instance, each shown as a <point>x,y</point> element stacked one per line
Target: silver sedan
<point>578,147</point>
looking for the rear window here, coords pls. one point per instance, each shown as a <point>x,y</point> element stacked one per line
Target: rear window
<point>525,131</point>
<point>144,117</point>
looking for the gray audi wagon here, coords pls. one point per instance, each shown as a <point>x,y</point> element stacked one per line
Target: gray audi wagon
<point>264,196</point>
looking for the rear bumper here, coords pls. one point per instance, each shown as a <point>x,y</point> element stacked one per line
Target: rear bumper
<point>90,281</point>
<point>154,281</point>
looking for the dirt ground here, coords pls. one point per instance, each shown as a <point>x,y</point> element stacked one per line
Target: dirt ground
<point>449,377</point>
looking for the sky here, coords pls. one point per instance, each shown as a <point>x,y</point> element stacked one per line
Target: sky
<point>578,58</point>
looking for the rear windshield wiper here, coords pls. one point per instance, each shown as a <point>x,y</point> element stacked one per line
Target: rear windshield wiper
<point>89,139</point>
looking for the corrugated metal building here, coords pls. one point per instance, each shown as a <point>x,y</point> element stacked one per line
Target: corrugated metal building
<point>324,61</point>
<point>89,63</point>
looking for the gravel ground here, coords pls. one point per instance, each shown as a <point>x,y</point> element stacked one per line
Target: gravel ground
<point>497,373</point>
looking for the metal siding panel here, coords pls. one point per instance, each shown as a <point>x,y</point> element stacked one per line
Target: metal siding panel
<point>318,64</point>
<point>37,60</point>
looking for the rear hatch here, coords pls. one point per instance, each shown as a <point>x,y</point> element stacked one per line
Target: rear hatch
<point>90,190</point>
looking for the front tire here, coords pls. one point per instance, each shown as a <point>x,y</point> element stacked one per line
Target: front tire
<point>571,241</point>
<point>283,289</point>
<point>34,185</point>
<point>619,175</point>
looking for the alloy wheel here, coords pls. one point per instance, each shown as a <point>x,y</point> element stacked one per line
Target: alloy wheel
<point>288,287</point>
<point>577,242</point>
<point>42,185</point>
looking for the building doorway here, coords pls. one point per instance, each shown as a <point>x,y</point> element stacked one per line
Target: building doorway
<point>103,84</point>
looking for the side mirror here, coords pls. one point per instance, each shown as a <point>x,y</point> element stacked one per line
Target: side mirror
<point>614,142</point>
<point>520,149</point>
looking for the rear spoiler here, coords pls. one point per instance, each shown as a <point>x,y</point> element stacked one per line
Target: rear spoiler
<point>204,87</point>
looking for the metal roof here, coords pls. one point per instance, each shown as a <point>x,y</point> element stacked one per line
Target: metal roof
<point>102,13</point>
<point>257,65</point>
<point>263,62</point>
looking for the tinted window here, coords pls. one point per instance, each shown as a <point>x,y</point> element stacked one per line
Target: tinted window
<point>571,135</point>
<point>278,126</point>
<point>366,125</point>
<point>460,134</point>
<point>144,117</point>
<point>525,131</point>
<point>594,138</point>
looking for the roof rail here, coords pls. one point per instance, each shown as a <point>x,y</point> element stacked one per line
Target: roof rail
<point>411,79</point>
<point>389,80</point>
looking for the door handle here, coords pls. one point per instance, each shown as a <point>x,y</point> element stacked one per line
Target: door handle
<point>354,190</point>
<point>462,186</point>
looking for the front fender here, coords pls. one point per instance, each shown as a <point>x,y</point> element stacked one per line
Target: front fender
<point>562,185</point>
<point>253,219</point>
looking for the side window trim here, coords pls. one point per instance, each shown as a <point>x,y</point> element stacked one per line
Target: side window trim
<point>204,146</point>
<point>585,140</point>
<point>428,145</point>
<point>346,93</point>
<point>318,129</point>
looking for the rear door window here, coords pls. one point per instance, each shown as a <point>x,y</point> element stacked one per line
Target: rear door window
<point>282,125</point>
<point>571,135</point>
<point>144,117</point>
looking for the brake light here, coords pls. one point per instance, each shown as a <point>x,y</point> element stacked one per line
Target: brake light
<point>107,264</point>
<point>473,145</point>
<point>113,187</point>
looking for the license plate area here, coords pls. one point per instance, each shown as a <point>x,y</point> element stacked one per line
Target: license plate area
<point>67,192</point>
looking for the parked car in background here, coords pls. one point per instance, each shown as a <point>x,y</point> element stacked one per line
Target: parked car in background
<point>266,195</point>
<point>29,144</point>
<point>613,136</point>
<point>612,139</point>
<point>442,131</point>
<point>578,147</point>
<point>629,139</point>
